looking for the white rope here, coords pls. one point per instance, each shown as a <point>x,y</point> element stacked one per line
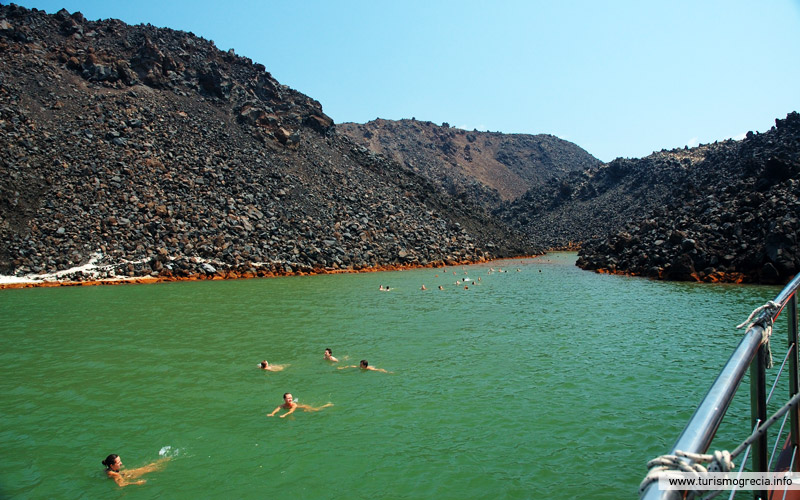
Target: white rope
<point>765,335</point>
<point>768,305</point>
<point>765,321</point>
<point>719,461</point>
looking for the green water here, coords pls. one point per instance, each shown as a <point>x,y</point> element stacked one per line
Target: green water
<point>547,382</point>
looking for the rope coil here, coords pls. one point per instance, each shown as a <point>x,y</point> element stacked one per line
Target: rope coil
<point>770,306</point>
<point>764,317</point>
<point>719,461</point>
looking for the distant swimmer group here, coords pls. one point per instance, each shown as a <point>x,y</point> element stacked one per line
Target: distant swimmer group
<point>291,404</point>
<point>125,477</point>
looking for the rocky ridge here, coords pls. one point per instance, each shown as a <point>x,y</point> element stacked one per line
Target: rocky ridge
<point>723,212</point>
<point>151,153</point>
<point>566,211</point>
<point>486,168</point>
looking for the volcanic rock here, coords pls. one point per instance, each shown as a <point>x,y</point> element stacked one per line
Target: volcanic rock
<point>729,210</point>
<point>147,150</point>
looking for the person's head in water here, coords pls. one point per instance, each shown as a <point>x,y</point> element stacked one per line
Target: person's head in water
<point>328,353</point>
<point>264,365</point>
<point>112,462</point>
<point>287,397</point>
<point>364,365</point>
<point>113,465</point>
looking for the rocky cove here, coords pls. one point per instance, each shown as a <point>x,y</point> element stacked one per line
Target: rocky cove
<point>157,155</point>
<point>147,154</point>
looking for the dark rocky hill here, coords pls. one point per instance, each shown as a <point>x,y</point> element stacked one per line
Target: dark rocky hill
<point>149,152</point>
<point>591,203</point>
<point>723,212</point>
<point>482,167</point>
<point>154,153</point>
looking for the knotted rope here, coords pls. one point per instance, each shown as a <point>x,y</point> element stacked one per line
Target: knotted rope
<point>764,317</point>
<point>769,306</point>
<point>719,461</point>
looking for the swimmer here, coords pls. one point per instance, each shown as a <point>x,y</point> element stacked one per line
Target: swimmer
<point>329,356</point>
<point>264,365</point>
<point>364,365</point>
<point>441,287</point>
<point>381,288</point>
<point>123,478</point>
<point>423,287</point>
<point>289,404</point>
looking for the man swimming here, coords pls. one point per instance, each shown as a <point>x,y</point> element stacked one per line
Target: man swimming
<point>364,365</point>
<point>264,365</point>
<point>329,356</point>
<point>123,478</point>
<point>289,404</point>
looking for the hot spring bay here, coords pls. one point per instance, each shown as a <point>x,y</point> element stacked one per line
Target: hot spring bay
<point>525,378</point>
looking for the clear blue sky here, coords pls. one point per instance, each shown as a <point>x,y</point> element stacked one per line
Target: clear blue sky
<point>618,78</point>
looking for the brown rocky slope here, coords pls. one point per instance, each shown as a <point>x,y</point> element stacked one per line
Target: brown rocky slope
<point>152,153</point>
<point>483,167</point>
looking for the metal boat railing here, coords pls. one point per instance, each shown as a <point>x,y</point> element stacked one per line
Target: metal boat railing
<point>750,353</point>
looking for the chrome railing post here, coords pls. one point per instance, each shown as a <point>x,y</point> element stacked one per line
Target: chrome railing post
<point>699,432</point>
<point>758,413</point>
<point>793,378</point>
<point>701,428</point>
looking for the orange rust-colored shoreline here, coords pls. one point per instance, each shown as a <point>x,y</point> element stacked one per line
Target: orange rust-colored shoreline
<point>235,275</point>
<point>717,277</point>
